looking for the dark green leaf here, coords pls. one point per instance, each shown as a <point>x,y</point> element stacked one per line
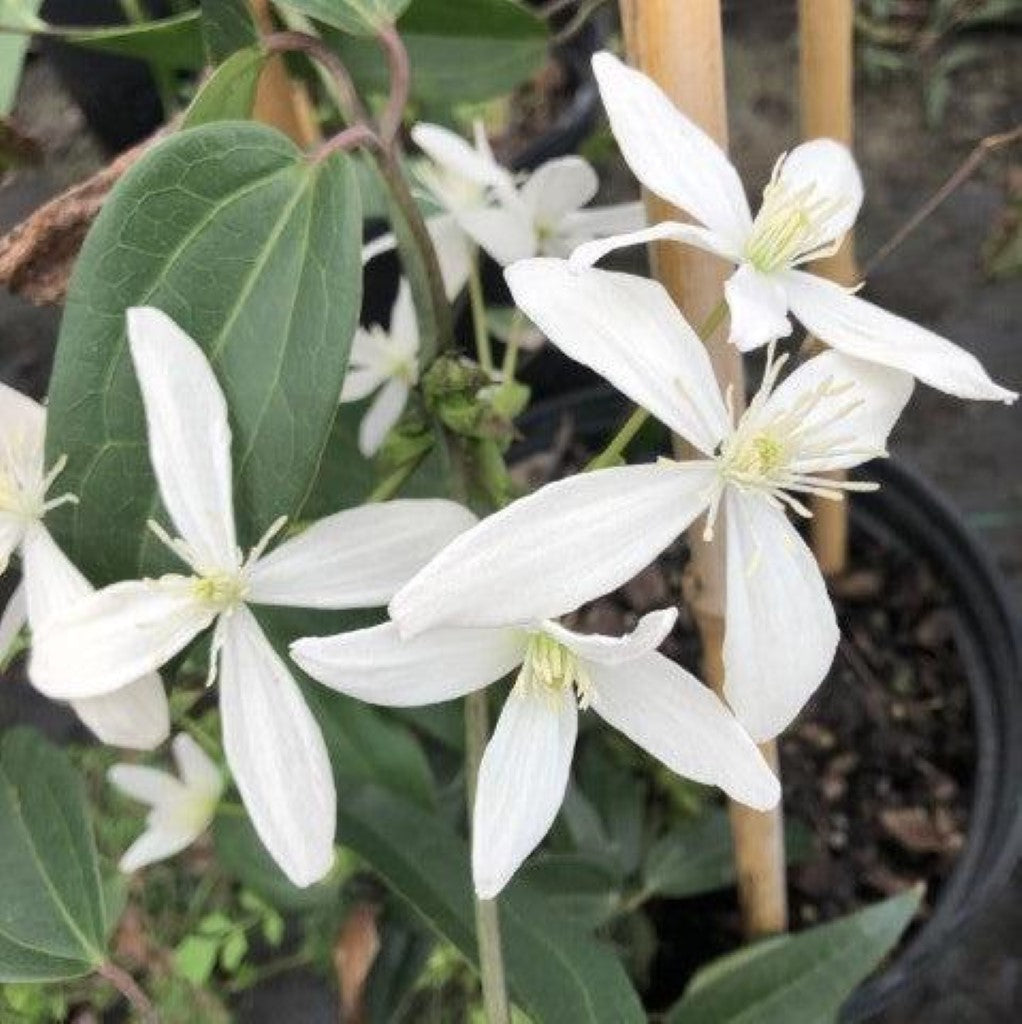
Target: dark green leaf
<point>254,250</point>
<point>227,26</point>
<point>583,889</point>
<point>53,918</point>
<point>229,93</point>
<point>460,52</point>
<point>174,43</point>
<point>556,971</point>
<point>796,979</point>
<point>361,17</point>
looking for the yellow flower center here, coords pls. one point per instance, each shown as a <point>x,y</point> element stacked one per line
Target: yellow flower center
<point>550,668</point>
<point>220,590</point>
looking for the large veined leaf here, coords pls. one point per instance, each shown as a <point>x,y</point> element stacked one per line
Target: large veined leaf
<point>53,915</point>
<point>254,249</point>
<point>361,17</point>
<point>796,979</point>
<point>556,971</point>
<point>227,26</point>
<point>459,52</point>
<point>174,43</point>
<point>229,93</point>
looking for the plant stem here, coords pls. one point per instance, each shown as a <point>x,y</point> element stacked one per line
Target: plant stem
<point>400,82</point>
<point>482,335</point>
<point>390,485</point>
<point>510,365</point>
<point>491,958</point>
<point>129,988</point>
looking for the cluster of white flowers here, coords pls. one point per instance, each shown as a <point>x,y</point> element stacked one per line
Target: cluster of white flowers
<point>471,602</point>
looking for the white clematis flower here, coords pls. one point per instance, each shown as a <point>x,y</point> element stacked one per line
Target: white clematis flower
<point>181,808</point>
<point>525,768</point>
<point>386,361</point>
<point>356,558</point>
<point>546,214</point>
<point>581,537</point>
<point>134,715</point>
<point>811,201</point>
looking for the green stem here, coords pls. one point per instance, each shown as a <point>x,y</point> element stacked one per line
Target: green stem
<point>510,366</point>
<point>390,485</point>
<point>482,335</point>
<point>197,733</point>
<point>487,913</point>
<point>620,441</point>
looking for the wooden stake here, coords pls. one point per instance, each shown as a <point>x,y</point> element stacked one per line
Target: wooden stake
<point>680,46</point>
<point>826,80</point>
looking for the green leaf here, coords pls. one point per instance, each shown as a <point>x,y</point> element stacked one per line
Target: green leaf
<point>53,918</point>
<point>229,93</point>
<point>583,889</point>
<point>174,43</point>
<point>21,15</point>
<point>195,958</point>
<point>556,971</point>
<point>227,26</point>
<point>797,979</point>
<point>254,249</point>
<point>13,47</point>
<point>462,52</point>
<point>361,17</point>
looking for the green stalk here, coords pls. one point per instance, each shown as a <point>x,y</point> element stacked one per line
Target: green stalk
<point>482,334</point>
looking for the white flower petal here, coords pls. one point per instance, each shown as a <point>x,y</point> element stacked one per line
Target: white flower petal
<point>115,636</point>
<point>276,753</point>
<point>549,553</point>
<point>404,328</point>
<point>868,332</point>
<point>522,779</point>
<point>628,330</point>
<point>150,786</point>
<point>877,398</point>
<point>376,665</point>
<point>23,426</point>
<point>758,305</point>
<point>199,772</point>
<point>669,713</point>
<point>382,415</point>
<point>454,154</point>
<point>363,377</point>
<point>136,716</point>
<point>505,233</point>
<point>666,231</point>
<point>559,187</point>
<point>454,252</point>
<point>670,154</point>
<point>781,632</point>
<point>595,222</point>
<point>189,435</point>
<point>648,635</point>
<point>13,619</point>
<point>357,558</point>
<point>161,839</point>
<point>12,529</point>
<point>826,171</point>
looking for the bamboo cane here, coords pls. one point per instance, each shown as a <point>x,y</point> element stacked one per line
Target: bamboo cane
<point>826,80</point>
<point>680,46</point>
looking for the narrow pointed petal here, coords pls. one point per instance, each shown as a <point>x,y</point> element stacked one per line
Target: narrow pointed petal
<point>23,426</point>
<point>505,233</point>
<point>826,171</point>
<point>559,187</point>
<point>453,251</point>
<point>382,415</point>
<point>364,374</point>
<point>162,839</point>
<point>648,635</point>
<point>115,636</point>
<point>628,330</point>
<point>199,772</point>
<point>189,435</point>
<point>781,632</point>
<point>868,332</point>
<point>872,405</point>
<point>454,154</point>
<point>12,529</point>
<point>377,666</point>
<point>13,620</point>
<point>549,553</point>
<point>666,231</point>
<point>146,785</point>
<point>670,154</point>
<point>276,753</point>
<point>522,779</point>
<point>758,306</point>
<point>593,222</point>
<point>670,714</point>
<point>360,557</point>
<point>136,717</point>
<point>404,328</point>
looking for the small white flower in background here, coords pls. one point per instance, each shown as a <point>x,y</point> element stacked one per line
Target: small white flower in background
<point>136,714</point>
<point>542,213</point>
<point>181,808</point>
<point>590,533</point>
<point>525,768</point>
<point>356,558</point>
<point>386,361</point>
<point>811,201</point>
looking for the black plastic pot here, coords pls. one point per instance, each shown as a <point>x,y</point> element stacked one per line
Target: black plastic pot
<point>908,514</point>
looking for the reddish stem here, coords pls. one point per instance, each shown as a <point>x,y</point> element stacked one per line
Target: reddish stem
<point>357,135</point>
<point>400,83</point>
<point>129,988</point>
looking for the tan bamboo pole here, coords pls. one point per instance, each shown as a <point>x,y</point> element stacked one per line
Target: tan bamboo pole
<point>680,46</point>
<point>826,81</point>
<point>279,101</point>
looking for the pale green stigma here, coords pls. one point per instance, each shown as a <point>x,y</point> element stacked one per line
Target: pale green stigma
<point>220,590</point>
<point>550,668</point>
